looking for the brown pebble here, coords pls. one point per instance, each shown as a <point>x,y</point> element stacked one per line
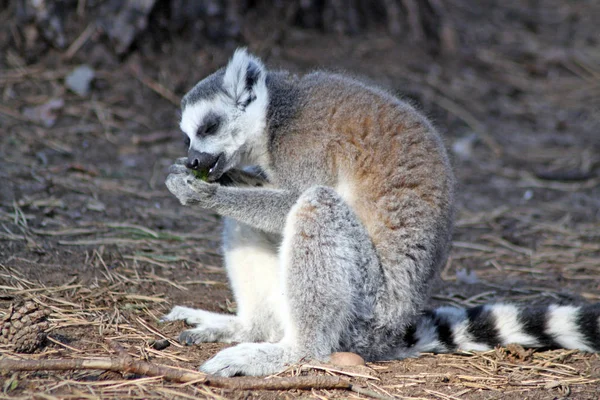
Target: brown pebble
<point>160,344</point>
<point>346,358</point>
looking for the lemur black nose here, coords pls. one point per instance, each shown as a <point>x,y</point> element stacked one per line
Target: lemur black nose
<point>197,160</point>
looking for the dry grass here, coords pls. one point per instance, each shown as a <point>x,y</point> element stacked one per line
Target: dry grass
<point>85,318</point>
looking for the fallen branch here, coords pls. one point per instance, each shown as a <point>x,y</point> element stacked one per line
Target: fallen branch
<point>116,364</point>
<point>126,364</point>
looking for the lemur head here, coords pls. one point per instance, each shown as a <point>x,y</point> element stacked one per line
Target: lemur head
<point>224,116</point>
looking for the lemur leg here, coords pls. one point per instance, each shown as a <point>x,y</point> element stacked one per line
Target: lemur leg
<point>253,269</point>
<point>251,263</point>
<point>330,275</point>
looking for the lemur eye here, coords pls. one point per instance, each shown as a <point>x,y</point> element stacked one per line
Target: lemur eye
<point>186,140</point>
<point>209,127</point>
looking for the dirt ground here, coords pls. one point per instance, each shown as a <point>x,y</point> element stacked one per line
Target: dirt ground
<point>89,231</point>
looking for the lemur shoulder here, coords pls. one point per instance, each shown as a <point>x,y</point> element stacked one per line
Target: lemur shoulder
<point>338,202</point>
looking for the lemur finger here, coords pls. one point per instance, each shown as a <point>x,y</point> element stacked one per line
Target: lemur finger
<point>199,186</point>
<point>180,189</point>
<point>178,169</point>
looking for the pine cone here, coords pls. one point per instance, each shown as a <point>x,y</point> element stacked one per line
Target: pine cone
<point>24,327</point>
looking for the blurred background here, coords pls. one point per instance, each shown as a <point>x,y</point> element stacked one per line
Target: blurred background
<point>89,108</point>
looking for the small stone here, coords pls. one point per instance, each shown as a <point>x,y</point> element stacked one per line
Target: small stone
<point>346,358</point>
<point>95,205</point>
<point>160,344</point>
<point>463,147</point>
<point>80,79</point>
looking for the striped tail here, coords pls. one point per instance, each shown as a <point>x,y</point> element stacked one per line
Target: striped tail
<point>448,329</point>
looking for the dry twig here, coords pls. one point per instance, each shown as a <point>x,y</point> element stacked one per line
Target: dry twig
<point>126,364</point>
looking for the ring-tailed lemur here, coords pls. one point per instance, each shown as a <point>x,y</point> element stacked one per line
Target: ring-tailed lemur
<point>334,243</point>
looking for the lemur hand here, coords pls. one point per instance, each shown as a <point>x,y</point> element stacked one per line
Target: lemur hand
<point>187,188</point>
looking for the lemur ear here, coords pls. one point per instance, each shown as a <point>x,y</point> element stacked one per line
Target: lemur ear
<point>242,76</point>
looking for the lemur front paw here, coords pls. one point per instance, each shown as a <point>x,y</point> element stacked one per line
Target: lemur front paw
<point>188,189</point>
<point>191,316</point>
<point>209,327</point>
<point>255,359</point>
